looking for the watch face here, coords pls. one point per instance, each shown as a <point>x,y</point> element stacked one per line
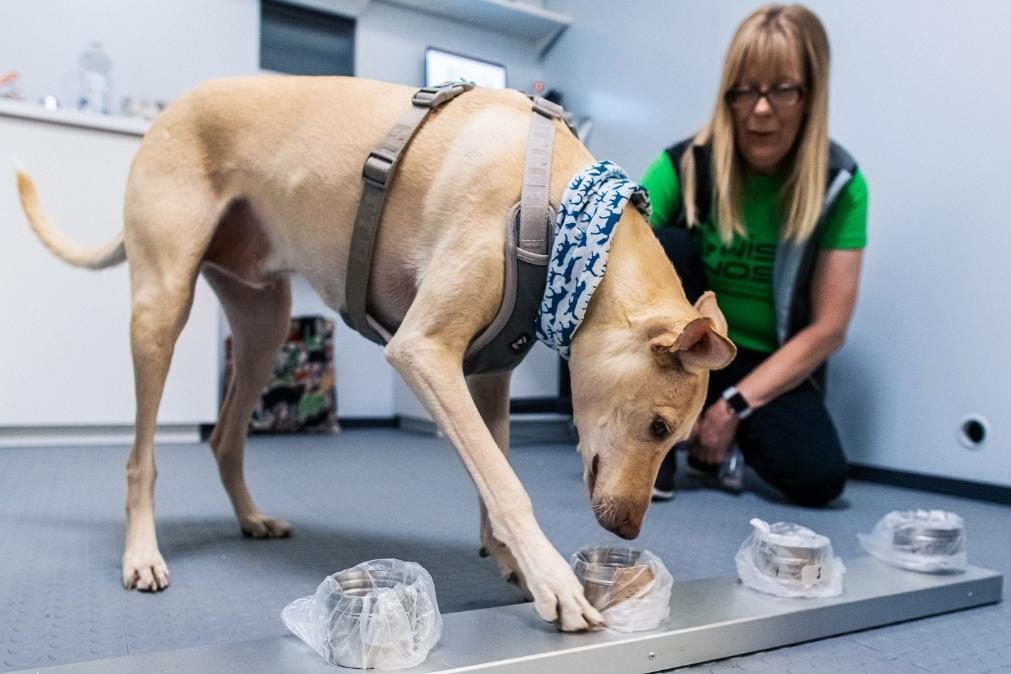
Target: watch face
<point>737,403</point>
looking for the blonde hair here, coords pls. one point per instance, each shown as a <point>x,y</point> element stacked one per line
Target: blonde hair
<point>781,34</point>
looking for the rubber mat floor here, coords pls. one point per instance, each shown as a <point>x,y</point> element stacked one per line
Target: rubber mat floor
<point>367,494</point>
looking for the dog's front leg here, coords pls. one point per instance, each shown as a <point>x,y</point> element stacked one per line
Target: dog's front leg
<point>434,372</point>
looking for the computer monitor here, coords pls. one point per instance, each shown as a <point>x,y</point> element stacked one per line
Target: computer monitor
<point>445,66</point>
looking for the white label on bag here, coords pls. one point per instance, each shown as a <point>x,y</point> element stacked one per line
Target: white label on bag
<point>810,574</point>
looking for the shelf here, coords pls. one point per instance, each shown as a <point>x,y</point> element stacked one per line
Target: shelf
<point>539,26</point>
<point>131,126</point>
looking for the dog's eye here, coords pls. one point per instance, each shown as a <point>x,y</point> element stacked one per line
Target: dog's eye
<point>659,429</point>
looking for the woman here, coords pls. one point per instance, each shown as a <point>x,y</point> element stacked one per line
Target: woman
<point>761,207</point>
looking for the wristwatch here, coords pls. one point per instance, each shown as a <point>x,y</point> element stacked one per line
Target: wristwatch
<point>737,402</point>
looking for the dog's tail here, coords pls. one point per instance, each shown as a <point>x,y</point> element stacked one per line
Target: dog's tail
<point>57,242</point>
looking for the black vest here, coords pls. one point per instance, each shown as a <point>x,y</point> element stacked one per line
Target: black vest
<point>794,262</point>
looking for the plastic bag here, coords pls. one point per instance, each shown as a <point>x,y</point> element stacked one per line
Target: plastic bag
<point>788,560</point>
<point>631,588</point>
<point>382,614</point>
<point>930,541</point>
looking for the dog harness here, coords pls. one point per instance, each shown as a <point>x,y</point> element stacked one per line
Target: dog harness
<point>504,343</point>
<point>591,207</point>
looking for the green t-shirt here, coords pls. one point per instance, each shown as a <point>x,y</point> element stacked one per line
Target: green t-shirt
<point>741,274</point>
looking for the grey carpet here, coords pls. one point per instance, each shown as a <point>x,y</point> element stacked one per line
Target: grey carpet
<point>368,494</point>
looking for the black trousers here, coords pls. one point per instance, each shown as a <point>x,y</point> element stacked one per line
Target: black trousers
<point>791,442</point>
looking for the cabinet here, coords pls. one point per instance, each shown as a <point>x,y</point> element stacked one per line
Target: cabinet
<point>66,376</point>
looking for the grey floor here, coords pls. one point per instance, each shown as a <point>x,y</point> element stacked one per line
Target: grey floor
<point>367,494</point>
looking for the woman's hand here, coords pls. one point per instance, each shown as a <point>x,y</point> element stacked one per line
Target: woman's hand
<point>714,433</point>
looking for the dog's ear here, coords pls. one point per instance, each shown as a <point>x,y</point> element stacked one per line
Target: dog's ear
<point>710,349</point>
<point>701,347</point>
<point>706,306</point>
<point>699,344</point>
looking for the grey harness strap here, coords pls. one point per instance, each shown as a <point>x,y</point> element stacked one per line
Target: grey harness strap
<point>529,233</point>
<point>529,236</point>
<point>377,173</point>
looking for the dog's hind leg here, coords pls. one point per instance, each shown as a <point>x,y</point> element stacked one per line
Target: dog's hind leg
<point>259,319</point>
<point>167,231</point>
<point>491,395</point>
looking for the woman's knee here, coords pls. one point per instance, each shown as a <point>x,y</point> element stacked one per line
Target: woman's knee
<point>819,485</point>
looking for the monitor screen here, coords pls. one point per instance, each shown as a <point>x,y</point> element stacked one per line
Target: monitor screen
<point>443,66</point>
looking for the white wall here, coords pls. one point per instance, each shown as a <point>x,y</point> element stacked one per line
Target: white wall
<point>84,377</point>
<point>919,96</point>
<point>66,330</point>
<point>161,49</point>
<point>390,44</point>
<point>158,49</point>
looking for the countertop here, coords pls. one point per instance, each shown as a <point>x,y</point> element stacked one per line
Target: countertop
<point>68,117</point>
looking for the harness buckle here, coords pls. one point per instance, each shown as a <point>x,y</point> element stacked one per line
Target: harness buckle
<point>377,169</point>
<point>546,108</point>
<point>433,97</point>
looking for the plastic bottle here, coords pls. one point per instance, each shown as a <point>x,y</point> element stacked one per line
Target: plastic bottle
<point>95,68</point>
<point>731,473</point>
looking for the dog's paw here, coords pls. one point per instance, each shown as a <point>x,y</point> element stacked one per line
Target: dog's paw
<point>559,598</point>
<point>145,572</point>
<point>261,526</point>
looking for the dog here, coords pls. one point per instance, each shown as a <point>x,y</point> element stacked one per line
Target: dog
<point>248,180</point>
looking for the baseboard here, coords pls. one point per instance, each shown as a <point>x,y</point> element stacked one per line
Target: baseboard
<point>546,405</point>
<point>533,428</point>
<point>979,491</point>
<point>77,436</point>
<point>342,423</point>
<point>368,422</point>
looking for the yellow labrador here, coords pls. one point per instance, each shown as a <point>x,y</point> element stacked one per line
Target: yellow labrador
<point>248,180</point>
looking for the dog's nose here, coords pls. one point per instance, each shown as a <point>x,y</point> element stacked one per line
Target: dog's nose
<point>619,518</point>
<point>627,530</point>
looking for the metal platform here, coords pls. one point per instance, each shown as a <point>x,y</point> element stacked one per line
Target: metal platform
<point>710,619</point>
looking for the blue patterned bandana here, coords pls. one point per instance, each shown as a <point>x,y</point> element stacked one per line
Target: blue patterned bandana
<point>591,206</point>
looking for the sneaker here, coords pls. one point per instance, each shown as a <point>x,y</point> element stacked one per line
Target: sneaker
<point>662,494</point>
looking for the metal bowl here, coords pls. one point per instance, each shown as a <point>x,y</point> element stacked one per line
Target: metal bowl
<point>600,564</point>
<point>353,604</point>
<point>798,563</point>
<point>611,575</point>
<point>924,539</point>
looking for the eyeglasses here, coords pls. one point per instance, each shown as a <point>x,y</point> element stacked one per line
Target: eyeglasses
<point>779,96</point>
